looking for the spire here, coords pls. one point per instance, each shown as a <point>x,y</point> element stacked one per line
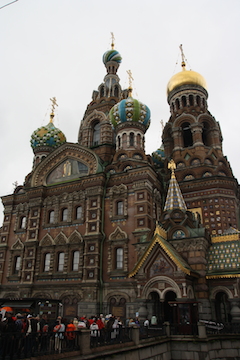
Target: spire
<point>174,196</point>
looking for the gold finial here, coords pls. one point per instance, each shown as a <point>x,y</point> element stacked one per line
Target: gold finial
<point>130,82</point>
<point>113,38</point>
<point>172,167</point>
<point>183,57</point>
<point>54,103</point>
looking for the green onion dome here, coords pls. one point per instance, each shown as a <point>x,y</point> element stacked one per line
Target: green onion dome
<point>47,136</point>
<point>112,55</point>
<point>130,110</point>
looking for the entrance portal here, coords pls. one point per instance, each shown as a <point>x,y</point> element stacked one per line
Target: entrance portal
<point>168,314</point>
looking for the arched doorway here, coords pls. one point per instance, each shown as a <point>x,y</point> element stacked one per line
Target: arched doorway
<point>155,306</point>
<point>168,310</point>
<point>222,307</point>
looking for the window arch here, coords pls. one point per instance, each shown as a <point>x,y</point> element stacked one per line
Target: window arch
<point>64,214</point>
<point>61,256</point>
<point>205,134</point>
<point>47,258</point>
<point>184,101</point>
<point>51,217</point>
<point>116,91</point>
<point>131,139</point>
<point>75,260</point>
<point>96,134</point>
<point>120,207</point>
<point>78,212</point>
<point>17,263</point>
<point>23,222</point>
<point>187,134</point>
<point>119,258</point>
<point>191,100</point>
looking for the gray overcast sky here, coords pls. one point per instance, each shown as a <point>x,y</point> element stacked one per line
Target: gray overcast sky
<point>55,47</point>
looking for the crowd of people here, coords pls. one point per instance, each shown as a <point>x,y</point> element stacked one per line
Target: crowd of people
<point>28,334</point>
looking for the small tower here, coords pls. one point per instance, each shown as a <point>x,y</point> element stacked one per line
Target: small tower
<point>46,138</point>
<point>131,119</point>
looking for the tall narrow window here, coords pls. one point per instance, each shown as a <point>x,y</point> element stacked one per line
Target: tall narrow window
<point>17,264</point>
<point>79,212</point>
<point>60,261</point>
<point>47,262</point>
<point>64,214</point>
<point>131,139</point>
<point>23,222</point>
<point>75,263</point>
<point>120,208</point>
<point>187,135</point>
<point>96,134</point>
<point>51,217</point>
<point>119,258</point>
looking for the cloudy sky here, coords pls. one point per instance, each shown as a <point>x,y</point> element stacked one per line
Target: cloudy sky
<point>55,47</point>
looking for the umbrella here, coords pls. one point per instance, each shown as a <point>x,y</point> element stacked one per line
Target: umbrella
<point>7,309</point>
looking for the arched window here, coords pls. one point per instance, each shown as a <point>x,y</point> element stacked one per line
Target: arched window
<point>60,261</point>
<point>78,212</point>
<point>17,264</point>
<point>51,217</point>
<point>198,100</point>
<point>191,100</point>
<point>96,134</point>
<point>131,139</point>
<point>120,208</point>
<point>75,261</point>
<point>119,141</point>
<point>184,101</point>
<point>64,214</point>
<point>205,134</point>
<point>119,258</point>
<point>47,262</point>
<point>177,104</point>
<point>102,91</point>
<point>116,92</point>
<point>187,135</point>
<point>23,222</point>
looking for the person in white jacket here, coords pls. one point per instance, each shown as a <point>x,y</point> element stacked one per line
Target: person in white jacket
<point>95,333</point>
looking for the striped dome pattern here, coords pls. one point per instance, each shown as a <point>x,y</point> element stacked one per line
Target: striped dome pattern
<point>112,55</point>
<point>130,110</point>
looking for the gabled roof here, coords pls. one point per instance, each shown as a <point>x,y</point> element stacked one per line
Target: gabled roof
<point>160,238</point>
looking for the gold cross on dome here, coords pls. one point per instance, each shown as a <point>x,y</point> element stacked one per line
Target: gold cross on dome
<point>113,38</point>
<point>183,56</point>
<point>130,82</point>
<point>54,103</point>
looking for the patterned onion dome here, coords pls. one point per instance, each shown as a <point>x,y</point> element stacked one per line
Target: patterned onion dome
<point>49,136</point>
<point>112,55</point>
<point>130,110</point>
<point>158,157</point>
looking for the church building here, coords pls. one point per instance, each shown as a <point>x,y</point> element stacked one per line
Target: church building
<point>99,226</point>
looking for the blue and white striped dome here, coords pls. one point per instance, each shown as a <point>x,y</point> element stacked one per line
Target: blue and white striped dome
<point>112,55</point>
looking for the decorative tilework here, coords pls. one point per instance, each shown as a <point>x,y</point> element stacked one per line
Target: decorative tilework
<point>224,256</point>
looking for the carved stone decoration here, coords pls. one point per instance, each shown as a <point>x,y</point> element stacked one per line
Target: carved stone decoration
<point>118,234</point>
<point>22,210</point>
<point>18,245</point>
<point>75,238</point>
<point>61,239</point>
<point>47,240</point>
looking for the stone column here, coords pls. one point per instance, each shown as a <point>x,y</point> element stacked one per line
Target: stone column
<point>84,342</point>
<point>235,311</point>
<point>135,334</point>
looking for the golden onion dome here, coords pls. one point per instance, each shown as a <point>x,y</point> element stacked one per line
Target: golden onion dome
<point>185,77</point>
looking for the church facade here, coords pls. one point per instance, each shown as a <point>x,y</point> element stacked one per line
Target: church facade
<point>99,226</point>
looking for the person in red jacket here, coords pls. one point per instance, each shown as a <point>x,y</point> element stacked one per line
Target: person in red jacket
<point>70,334</point>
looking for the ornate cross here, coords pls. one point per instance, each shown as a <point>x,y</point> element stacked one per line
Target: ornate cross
<point>183,56</point>
<point>130,82</point>
<point>113,38</point>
